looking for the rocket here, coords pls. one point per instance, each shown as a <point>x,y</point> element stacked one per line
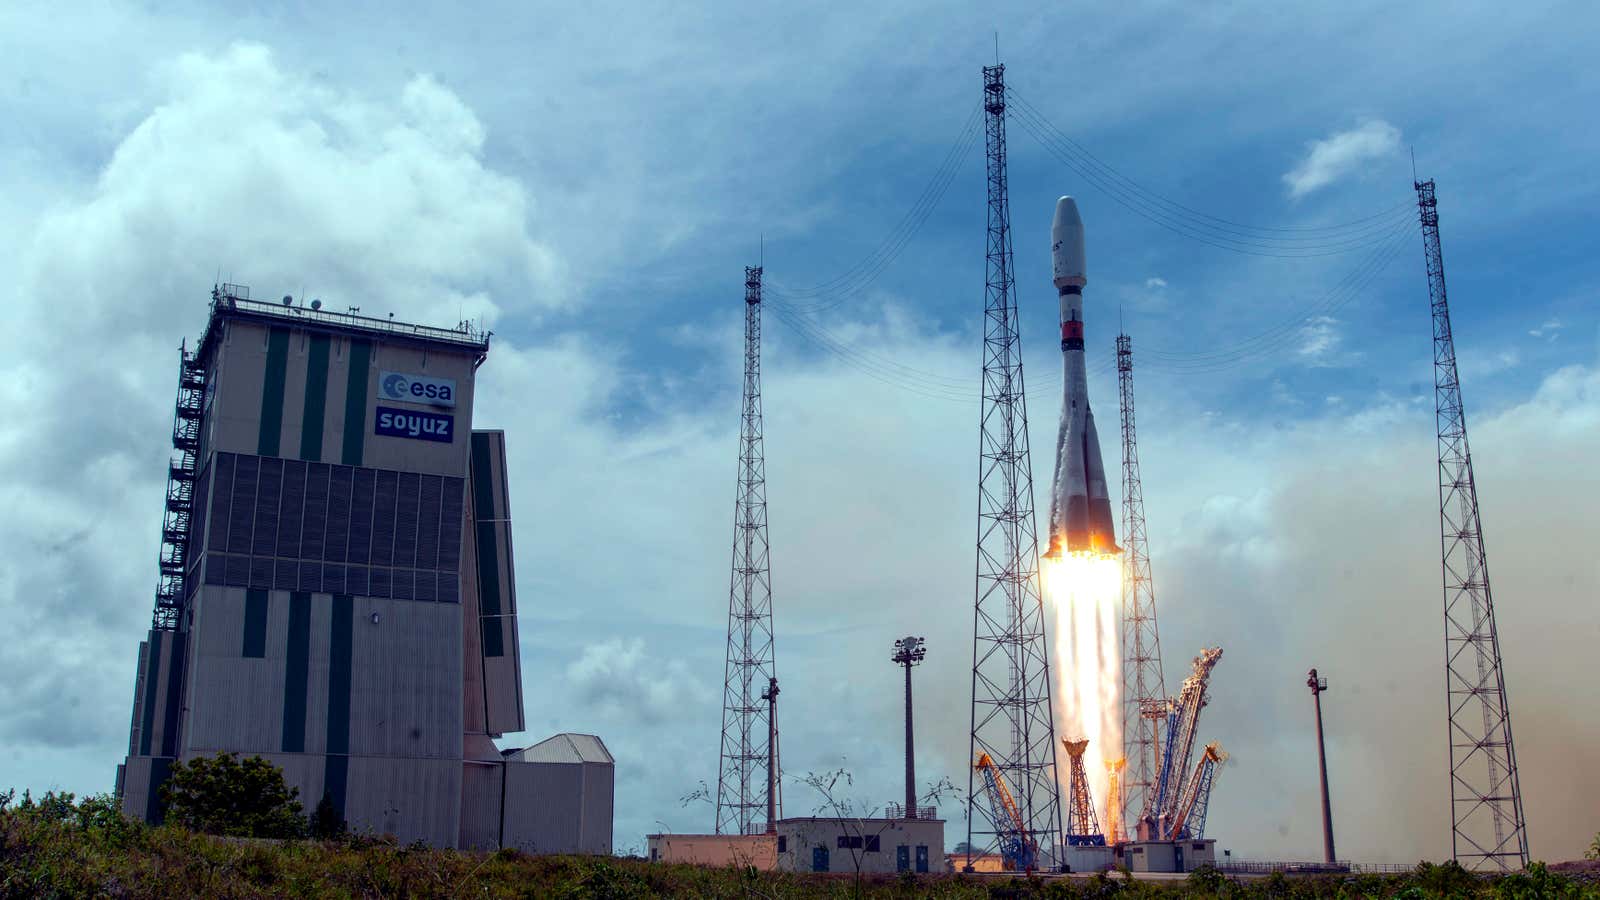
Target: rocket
<point>1080,508</point>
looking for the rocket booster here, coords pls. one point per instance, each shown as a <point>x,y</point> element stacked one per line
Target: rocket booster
<point>1080,507</point>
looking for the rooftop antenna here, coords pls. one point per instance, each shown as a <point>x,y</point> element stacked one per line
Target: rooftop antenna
<point>1413,163</point>
<point>997,46</point>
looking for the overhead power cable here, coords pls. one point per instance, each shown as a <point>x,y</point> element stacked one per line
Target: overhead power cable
<point>852,281</point>
<point>1020,104</point>
<point>1277,247</point>
<point>1288,330</point>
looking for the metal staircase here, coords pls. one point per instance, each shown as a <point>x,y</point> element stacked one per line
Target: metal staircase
<point>182,473</point>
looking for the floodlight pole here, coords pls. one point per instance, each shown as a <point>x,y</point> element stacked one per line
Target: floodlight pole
<point>1318,685</point>
<point>908,652</point>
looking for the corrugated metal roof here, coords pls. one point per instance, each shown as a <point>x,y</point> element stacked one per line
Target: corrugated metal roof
<point>567,748</point>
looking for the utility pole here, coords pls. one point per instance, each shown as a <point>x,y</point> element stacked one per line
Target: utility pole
<point>1318,685</point>
<point>908,651</point>
<point>771,696</point>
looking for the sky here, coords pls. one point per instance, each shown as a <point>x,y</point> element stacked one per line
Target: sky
<point>590,180</point>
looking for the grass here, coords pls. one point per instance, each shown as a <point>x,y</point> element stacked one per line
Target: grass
<point>52,848</point>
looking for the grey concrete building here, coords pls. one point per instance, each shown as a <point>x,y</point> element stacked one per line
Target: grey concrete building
<point>875,845</point>
<point>338,592</point>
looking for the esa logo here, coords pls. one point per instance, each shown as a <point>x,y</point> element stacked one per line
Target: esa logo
<point>421,426</point>
<point>416,389</point>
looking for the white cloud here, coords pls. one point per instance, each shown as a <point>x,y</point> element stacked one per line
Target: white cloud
<point>1493,363</point>
<point>1550,329</point>
<point>1155,282</point>
<point>1319,340</point>
<point>1337,155</point>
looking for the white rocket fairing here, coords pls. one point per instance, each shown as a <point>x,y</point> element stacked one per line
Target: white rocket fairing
<point>1080,507</point>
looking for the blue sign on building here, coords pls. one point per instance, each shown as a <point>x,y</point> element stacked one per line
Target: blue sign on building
<point>409,423</point>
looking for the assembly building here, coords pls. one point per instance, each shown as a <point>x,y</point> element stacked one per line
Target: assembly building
<point>337,590</point>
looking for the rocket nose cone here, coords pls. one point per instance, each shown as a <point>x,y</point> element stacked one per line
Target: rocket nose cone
<point>1066,245</point>
<point>1066,215</point>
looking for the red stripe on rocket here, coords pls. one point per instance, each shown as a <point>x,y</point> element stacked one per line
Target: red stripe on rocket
<point>1080,506</point>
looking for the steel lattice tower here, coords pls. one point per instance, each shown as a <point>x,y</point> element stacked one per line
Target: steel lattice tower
<point>1487,828</point>
<point>1144,692</point>
<point>742,778</point>
<point>1011,720</point>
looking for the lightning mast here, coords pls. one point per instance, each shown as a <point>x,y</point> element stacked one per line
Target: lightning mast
<point>1011,721</point>
<point>744,778</point>
<point>1487,827</point>
<point>1143,687</point>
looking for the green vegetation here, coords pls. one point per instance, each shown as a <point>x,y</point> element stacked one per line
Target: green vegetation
<point>224,795</point>
<point>58,846</point>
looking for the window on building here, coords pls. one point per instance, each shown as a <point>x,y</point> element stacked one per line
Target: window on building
<point>872,843</point>
<point>850,842</point>
<point>902,858</point>
<point>922,857</point>
<point>783,843</point>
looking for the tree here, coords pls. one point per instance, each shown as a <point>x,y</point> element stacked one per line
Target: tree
<point>327,823</point>
<point>1594,849</point>
<point>228,796</point>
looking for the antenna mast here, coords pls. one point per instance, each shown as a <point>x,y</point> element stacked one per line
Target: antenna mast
<point>1487,828</point>
<point>744,777</point>
<point>1011,720</point>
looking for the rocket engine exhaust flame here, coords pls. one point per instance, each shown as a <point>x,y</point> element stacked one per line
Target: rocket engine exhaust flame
<point>1082,569</point>
<point>1082,591</point>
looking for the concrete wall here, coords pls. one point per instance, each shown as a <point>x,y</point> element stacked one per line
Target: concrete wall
<point>1168,856</point>
<point>558,807</point>
<point>241,374</point>
<point>800,840</point>
<point>1088,859</point>
<point>759,850</point>
<point>489,594</point>
<point>482,785</point>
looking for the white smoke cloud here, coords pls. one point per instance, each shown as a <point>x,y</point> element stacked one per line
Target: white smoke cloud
<point>1331,158</point>
<point>624,681</point>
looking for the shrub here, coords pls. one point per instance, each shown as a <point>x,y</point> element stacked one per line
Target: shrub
<point>228,796</point>
<point>1205,879</point>
<point>327,823</point>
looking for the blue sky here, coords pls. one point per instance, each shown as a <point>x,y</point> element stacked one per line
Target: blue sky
<point>590,182</point>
